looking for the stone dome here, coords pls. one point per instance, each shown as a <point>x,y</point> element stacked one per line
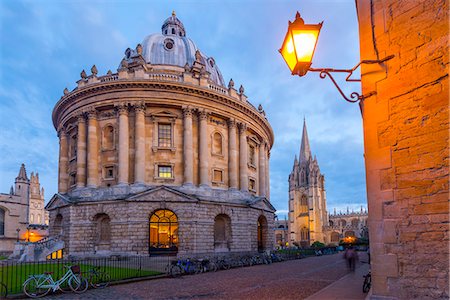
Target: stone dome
<point>172,47</point>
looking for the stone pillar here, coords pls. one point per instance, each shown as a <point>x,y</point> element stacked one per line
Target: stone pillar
<point>203,153</point>
<point>63,178</point>
<point>139,160</point>
<point>81,152</point>
<point>267,173</point>
<point>232,155</point>
<point>187,147</point>
<point>243,149</point>
<point>124,144</point>
<point>92,155</point>
<point>262,169</point>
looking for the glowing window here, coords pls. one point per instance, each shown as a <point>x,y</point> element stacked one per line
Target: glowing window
<point>164,135</point>
<point>163,231</point>
<point>165,172</point>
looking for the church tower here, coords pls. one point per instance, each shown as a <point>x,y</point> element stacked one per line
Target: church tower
<point>307,200</point>
<point>22,185</point>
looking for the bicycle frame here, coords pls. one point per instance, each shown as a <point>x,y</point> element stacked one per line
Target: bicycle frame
<point>54,284</point>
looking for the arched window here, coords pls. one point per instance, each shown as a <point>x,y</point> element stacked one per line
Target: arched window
<point>303,204</point>
<point>349,233</point>
<point>103,224</point>
<point>222,233</point>
<point>217,144</point>
<point>335,237</point>
<point>57,225</point>
<point>262,233</point>
<point>343,223</point>
<point>304,201</point>
<point>2,221</point>
<point>355,222</point>
<point>163,231</point>
<point>304,234</point>
<point>108,137</point>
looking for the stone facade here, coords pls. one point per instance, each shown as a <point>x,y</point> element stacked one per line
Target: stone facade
<point>406,140</point>
<point>282,233</point>
<point>348,224</point>
<point>24,201</point>
<point>307,200</point>
<point>162,136</point>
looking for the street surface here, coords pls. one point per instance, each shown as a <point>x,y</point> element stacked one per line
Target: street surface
<point>295,279</point>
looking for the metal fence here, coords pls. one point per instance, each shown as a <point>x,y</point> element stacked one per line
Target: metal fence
<point>13,273</point>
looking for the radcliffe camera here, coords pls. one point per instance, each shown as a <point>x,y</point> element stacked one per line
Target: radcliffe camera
<point>224,150</point>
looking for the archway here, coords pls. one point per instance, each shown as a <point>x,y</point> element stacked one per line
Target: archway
<point>163,232</point>
<point>262,233</point>
<point>222,233</point>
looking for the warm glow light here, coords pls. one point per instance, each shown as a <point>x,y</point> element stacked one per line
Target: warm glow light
<point>305,41</point>
<point>287,51</point>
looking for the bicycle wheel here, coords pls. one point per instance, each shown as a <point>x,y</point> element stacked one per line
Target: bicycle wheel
<point>99,280</point>
<point>366,284</point>
<point>3,291</point>
<point>32,287</point>
<point>175,271</point>
<point>78,284</point>
<point>64,287</point>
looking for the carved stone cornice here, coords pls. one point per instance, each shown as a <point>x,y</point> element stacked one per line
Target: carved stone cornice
<point>81,118</point>
<point>231,123</point>
<point>242,127</point>
<point>203,114</point>
<point>91,114</point>
<point>139,108</point>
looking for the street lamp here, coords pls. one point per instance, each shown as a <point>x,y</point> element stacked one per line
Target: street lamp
<point>298,51</point>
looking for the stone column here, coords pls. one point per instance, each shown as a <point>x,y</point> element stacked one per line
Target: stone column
<point>203,153</point>
<point>92,155</point>
<point>139,159</point>
<point>262,169</point>
<point>124,144</point>
<point>232,155</point>
<point>81,152</point>
<point>267,173</point>
<point>243,149</point>
<point>187,147</point>
<point>63,178</point>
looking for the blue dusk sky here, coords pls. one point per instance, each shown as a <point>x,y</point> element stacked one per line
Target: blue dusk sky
<point>44,45</point>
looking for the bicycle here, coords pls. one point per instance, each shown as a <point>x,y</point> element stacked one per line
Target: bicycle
<point>3,291</point>
<point>179,267</point>
<point>367,282</point>
<point>98,279</point>
<point>37,286</point>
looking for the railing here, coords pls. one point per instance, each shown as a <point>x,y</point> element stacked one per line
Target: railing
<point>107,78</point>
<point>218,89</point>
<point>13,274</point>
<point>164,77</point>
<point>46,242</point>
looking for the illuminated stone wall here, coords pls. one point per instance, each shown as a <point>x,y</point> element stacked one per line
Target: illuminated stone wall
<point>406,139</point>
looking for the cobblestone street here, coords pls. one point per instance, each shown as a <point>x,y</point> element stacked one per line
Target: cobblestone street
<point>296,279</point>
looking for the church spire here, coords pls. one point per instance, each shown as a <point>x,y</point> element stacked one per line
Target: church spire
<point>22,174</point>
<point>305,150</point>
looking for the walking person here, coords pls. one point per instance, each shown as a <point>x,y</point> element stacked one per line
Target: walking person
<point>351,256</point>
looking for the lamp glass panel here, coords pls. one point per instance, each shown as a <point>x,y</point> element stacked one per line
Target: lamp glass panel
<point>305,42</point>
<point>288,52</point>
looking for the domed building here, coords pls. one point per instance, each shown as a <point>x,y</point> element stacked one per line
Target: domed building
<point>161,157</point>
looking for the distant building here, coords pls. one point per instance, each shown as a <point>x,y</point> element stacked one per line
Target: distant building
<point>281,233</point>
<point>307,200</point>
<point>22,211</point>
<point>348,224</point>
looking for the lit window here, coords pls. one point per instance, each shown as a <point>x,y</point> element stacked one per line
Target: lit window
<point>165,172</point>
<point>164,135</point>
<point>252,185</point>
<point>251,155</point>
<point>217,176</point>
<point>163,231</point>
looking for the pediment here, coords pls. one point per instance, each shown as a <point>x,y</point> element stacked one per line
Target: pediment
<point>262,203</point>
<point>162,194</point>
<point>56,201</point>
<point>164,114</point>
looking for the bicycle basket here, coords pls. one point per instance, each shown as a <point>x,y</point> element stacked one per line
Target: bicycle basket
<point>75,269</point>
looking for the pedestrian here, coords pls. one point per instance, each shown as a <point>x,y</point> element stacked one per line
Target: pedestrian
<point>368,253</point>
<point>351,256</point>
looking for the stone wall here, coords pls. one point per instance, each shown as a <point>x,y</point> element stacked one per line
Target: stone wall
<point>406,139</point>
<point>130,227</point>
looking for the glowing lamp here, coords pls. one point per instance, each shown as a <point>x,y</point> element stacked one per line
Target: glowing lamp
<point>298,50</point>
<point>299,45</point>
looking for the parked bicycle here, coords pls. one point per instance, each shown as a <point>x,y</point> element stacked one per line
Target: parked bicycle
<point>37,286</point>
<point>3,290</point>
<point>182,266</point>
<point>367,282</point>
<point>97,278</point>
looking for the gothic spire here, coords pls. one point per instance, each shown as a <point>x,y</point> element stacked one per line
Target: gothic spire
<point>305,150</point>
<point>22,173</point>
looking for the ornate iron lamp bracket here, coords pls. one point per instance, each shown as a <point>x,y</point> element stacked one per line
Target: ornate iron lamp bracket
<point>354,96</point>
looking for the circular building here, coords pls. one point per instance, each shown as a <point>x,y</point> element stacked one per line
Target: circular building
<point>161,157</point>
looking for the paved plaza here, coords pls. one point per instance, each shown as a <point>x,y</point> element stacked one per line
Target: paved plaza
<point>297,279</point>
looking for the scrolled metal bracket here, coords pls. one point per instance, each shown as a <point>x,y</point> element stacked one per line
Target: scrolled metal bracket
<point>354,96</point>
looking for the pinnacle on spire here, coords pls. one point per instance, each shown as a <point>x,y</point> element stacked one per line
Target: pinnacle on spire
<point>22,173</point>
<point>305,149</point>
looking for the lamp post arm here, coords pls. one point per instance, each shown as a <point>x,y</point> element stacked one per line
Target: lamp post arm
<point>354,96</point>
